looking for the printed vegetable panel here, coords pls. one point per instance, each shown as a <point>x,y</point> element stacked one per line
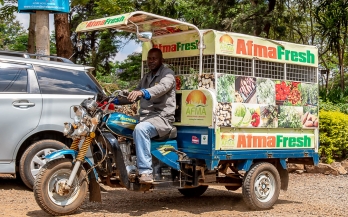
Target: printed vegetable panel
<point>290,116</point>
<point>207,81</point>
<point>269,116</point>
<point>288,93</point>
<point>245,90</point>
<point>224,114</point>
<point>265,91</point>
<point>186,82</point>
<point>310,117</point>
<point>246,115</point>
<point>225,88</point>
<point>309,94</point>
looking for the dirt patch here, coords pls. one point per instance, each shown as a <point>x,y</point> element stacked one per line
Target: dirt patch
<point>308,195</point>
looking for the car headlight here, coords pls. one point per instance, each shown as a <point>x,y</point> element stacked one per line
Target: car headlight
<point>68,129</point>
<point>82,130</point>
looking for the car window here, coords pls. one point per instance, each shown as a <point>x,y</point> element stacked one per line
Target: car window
<point>13,80</point>
<point>65,81</point>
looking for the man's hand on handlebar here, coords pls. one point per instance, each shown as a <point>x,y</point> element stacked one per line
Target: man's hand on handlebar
<point>134,95</point>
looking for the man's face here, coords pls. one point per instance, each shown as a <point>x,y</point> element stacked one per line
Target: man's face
<point>154,61</point>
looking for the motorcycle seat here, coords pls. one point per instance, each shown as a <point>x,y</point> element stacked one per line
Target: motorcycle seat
<point>171,135</point>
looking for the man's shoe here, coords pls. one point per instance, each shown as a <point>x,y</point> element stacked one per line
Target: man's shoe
<point>146,178</point>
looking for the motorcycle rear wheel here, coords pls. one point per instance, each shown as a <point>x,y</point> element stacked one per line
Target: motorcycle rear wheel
<point>47,182</point>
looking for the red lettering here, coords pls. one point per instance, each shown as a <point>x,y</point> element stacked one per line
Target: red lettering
<point>272,53</point>
<point>271,141</point>
<point>260,51</point>
<point>173,49</point>
<point>241,49</point>
<point>241,143</point>
<point>89,24</point>
<point>249,140</point>
<point>250,48</point>
<point>259,141</point>
<point>166,48</point>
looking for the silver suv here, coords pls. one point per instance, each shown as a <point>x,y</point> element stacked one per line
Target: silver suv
<point>35,100</point>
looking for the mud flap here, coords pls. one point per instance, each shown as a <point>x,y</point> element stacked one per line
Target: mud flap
<point>94,191</point>
<point>284,176</point>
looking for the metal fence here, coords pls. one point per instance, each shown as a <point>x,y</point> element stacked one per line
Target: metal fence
<point>242,66</point>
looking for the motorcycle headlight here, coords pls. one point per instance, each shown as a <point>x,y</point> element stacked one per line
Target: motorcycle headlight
<point>82,130</point>
<point>90,104</point>
<point>80,114</point>
<point>68,129</point>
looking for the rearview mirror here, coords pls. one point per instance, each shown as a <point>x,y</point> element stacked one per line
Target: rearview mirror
<point>144,36</point>
<point>79,45</point>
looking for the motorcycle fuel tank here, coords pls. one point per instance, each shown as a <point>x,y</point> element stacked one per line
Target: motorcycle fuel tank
<point>121,124</point>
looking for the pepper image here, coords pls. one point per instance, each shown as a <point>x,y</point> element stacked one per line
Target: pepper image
<point>255,119</point>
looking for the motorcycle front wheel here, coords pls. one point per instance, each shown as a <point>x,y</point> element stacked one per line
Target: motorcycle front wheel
<point>48,192</point>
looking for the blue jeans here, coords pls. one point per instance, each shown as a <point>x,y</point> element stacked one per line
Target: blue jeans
<point>142,135</point>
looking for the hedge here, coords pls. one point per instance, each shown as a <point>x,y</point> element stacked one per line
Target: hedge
<point>333,134</point>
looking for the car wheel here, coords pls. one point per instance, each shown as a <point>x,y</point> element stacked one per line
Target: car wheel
<point>33,159</point>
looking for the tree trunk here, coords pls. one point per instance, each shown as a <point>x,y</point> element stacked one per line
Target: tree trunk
<point>42,33</point>
<point>94,52</point>
<point>340,63</point>
<point>342,77</point>
<point>257,22</point>
<point>31,38</point>
<point>260,24</point>
<point>62,31</point>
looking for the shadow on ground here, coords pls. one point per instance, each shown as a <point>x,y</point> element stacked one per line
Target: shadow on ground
<point>121,201</point>
<point>8,182</point>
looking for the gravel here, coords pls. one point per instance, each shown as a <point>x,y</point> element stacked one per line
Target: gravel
<point>308,195</point>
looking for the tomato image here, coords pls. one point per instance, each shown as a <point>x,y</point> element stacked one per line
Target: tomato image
<point>288,91</point>
<point>178,82</point>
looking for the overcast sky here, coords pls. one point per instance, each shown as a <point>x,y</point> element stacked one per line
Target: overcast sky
<point>122,55</point>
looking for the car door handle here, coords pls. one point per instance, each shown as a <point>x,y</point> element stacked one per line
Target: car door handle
<point>23,104</point>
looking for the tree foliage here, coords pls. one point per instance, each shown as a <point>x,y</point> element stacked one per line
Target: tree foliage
<point>322,23</point>
<point>332,17</point>
<point>7,8</point>
<point>98,47</point>
<point>12,35</point>
<point>130,68</point>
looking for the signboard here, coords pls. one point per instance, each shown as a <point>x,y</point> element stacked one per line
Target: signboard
<point>102,23</point>
<point>246,139</point>
<point>196,108</point>
<point>58,6</point>
<point>246,46</point>
<point>237,45</point>
<point>185,45</point>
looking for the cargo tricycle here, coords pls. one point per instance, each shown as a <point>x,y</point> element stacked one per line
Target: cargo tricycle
<point>246,107</point>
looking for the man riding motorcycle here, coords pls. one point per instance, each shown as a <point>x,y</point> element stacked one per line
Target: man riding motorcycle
<point>156,91</point>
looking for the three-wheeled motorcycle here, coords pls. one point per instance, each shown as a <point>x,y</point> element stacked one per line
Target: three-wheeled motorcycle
<point>246,107</point>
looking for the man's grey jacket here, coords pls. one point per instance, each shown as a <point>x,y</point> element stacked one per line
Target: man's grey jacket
<point>159,110</point>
